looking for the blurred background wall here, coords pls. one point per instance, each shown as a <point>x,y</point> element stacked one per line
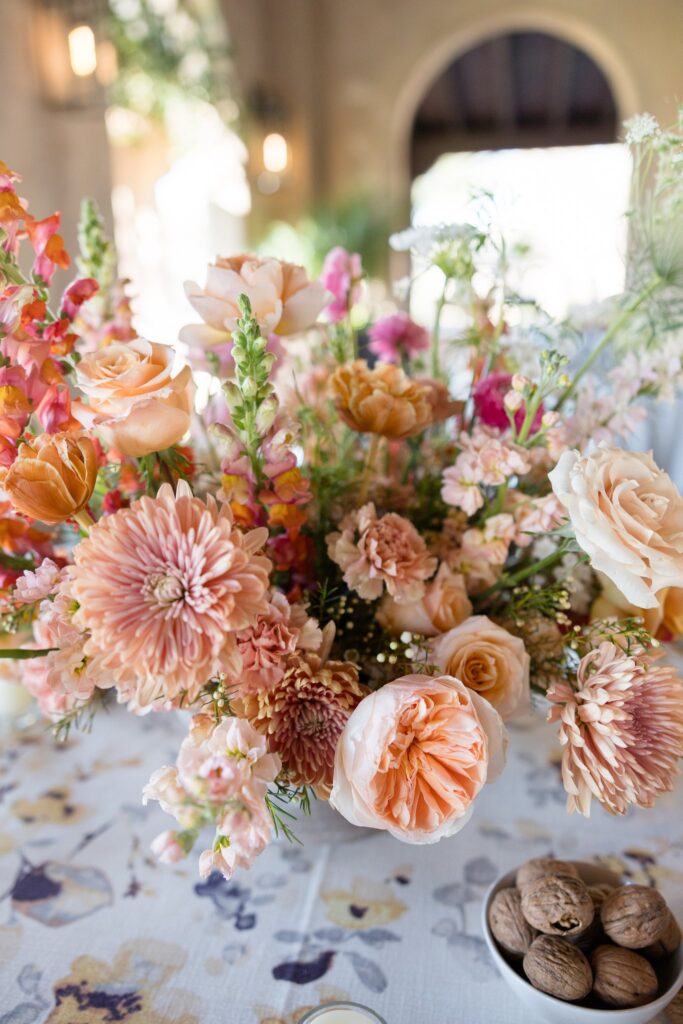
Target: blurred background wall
<point>204,126</point>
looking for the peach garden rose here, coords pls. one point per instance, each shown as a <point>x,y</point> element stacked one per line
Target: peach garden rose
<point>414,755</point>
<point>444,604</point>
<point>488,660</point>
<point>627,516</point>
<point>132,393</point>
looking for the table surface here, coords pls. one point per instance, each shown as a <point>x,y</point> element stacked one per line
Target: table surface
<point>93,930</point>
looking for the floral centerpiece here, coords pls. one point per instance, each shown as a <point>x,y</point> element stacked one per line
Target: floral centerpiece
<point>373,545</point>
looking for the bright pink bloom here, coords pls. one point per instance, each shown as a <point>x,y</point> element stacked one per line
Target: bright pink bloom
<point>78,292</point>
<point>48,246</point>
<point>489,403</point>
<point>166,848</point>
<point>341,276</point>
<point>396,336</point>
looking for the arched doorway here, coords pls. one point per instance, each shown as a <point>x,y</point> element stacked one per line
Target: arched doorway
<point>514,90</point>
<point>532,119</point>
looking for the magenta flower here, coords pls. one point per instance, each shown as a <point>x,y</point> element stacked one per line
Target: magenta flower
<point>341,276</point>
<point>489,403</point>
<point>395,336</point>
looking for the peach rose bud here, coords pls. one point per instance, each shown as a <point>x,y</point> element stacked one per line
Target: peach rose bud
<point>52,479</point>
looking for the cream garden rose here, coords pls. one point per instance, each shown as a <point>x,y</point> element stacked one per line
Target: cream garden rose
<point>133,395</point>
<point>413,757</point>
<point>488,660</point>
<point>627,516</point>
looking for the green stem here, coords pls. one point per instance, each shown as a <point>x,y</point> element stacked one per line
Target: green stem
<point>523,574</point>
<point>608,336</point>
<point>367,469</point>
<point>436,330</point>
<point>22,654</point>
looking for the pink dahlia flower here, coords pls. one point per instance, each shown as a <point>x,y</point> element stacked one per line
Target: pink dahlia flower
<point>489,403</point>
<point>622,730</point>
<point>395,336</point>
<point>377,552</point>
<point>163,586</point>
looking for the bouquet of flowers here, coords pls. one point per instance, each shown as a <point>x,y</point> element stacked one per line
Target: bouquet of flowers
<point>373,545</point>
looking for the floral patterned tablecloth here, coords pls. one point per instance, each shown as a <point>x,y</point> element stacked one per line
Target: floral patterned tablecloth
<point>93,931</point>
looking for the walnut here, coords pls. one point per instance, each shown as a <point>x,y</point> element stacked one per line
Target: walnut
<point>635,916</point>
<point>622,978</point>
<point>558,905</point>
<point>668,942</point>
<point>555,966</point>
<point>539,867</point>
<point>599,893</point>
<point>509,926</point>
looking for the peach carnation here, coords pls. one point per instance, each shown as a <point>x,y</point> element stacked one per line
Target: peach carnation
<point>163,586</point>
<point>383,400</point>
<point>445,604</point>
<point>487,659</point>
<point>377,552</point>
<point>265,646</point>
<point>622,729</point>
<point>413,757</point>
<point>304,714</point>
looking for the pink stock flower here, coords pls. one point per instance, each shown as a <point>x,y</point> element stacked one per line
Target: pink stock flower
<point>179,565</point>
<point>243,832</point>
<point>396,336</point>
<point>377,553</point>
<point>489,403</point>
<point>622,729</point>
<point>538,515</point>
<point>485,458</point>
<point>461,484</point>
<point>166,848</point>
<point>492,542</point>
<point>36,585</point>
<point>341,276</point>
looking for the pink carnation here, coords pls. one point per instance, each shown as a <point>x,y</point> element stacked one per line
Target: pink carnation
<point>341,276</point>
<point>395,336</point>
<point>264,647</point>
<point>622,729</point>
<point>377,552</point>
<point>162,588</point>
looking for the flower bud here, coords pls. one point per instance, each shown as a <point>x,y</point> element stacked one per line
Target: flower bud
<point>52,479</point>
<point>550,418</point>
<point>513,401</point>
<point>233,395</point>
<point>265,417</point>
<point>520,383</point>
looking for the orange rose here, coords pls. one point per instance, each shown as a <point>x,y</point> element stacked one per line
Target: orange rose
<point>132,395</point>
<point>381,401</point>
<point>53,478</point>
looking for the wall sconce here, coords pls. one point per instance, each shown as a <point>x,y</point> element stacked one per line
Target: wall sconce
<point>74,62</point>
<point>271,155</point>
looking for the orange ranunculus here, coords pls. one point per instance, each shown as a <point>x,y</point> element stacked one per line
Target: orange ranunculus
<point>381,401</point>
<point>52,478</point>
<point>133,397</point>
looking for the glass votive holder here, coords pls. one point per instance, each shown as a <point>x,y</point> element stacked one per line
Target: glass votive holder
<point>342,1013</point>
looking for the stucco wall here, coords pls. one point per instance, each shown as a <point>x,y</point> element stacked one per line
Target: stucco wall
<point>62,155</point>
<point>352,72</point>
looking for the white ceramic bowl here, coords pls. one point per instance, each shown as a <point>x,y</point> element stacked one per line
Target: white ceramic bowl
<point>542,1007</point>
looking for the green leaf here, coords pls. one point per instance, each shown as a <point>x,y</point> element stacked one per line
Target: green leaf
<point>22,653</point>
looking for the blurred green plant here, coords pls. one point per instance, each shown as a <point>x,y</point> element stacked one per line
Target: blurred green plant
<point>358,223</point>
<point>167,51</point>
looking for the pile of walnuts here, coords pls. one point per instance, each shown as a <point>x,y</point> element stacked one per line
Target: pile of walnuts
<point>577,941</point>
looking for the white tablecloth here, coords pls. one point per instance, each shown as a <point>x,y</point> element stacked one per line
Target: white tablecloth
<point>93,931</point>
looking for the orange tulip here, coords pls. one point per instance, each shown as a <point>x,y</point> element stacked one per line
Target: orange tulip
<point>52,479</point>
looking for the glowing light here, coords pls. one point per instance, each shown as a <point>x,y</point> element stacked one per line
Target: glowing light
<point>275,154</point>
<point>82,51</point>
